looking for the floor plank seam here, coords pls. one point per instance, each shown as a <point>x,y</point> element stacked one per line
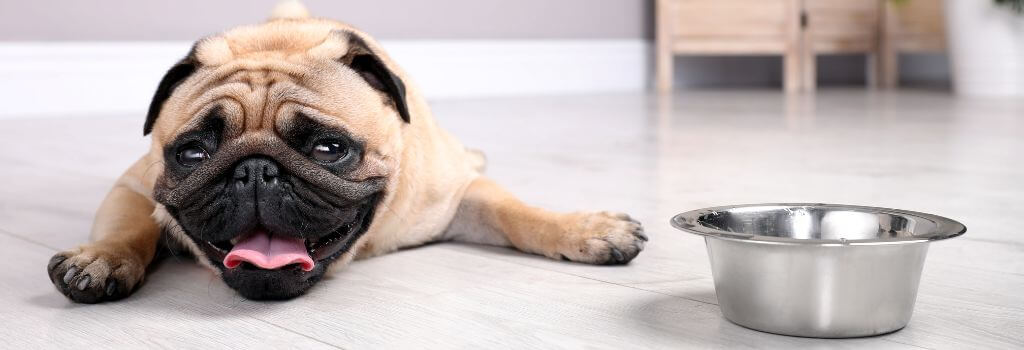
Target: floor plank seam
<point>27,240</point>
<point>978,268</point>
<point>1017,245</point>
<point>585,277</point>
<point>902,343</point>
<point>297,333</point>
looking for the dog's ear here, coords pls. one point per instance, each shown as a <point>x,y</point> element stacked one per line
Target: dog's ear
<point>174,76</point>
<point>365,62</point>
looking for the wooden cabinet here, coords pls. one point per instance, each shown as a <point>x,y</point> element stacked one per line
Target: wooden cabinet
<point>839,27</point>
<point>798,30</point>
<point>909,26</point>
<point>727,27</point>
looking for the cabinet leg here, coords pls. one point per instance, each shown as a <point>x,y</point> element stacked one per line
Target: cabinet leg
<point>888,70</point>
<point>809,71</point>
<point>664,71</point>
<point>791,72</point>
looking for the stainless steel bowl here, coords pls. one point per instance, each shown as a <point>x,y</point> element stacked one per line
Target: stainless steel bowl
<point>817,270</point>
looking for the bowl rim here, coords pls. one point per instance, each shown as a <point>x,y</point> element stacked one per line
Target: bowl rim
<point>946,227</point>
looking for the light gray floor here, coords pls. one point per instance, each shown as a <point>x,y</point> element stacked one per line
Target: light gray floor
<point>653,158</point>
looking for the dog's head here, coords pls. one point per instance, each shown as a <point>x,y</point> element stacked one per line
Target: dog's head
<point>278,142</point>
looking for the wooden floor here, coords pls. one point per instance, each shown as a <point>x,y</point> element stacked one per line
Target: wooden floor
<point>923,151</point>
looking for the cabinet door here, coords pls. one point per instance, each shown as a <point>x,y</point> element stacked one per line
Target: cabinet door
<point>843,25</point>
<point>915,25</point>
<point>729,18</point>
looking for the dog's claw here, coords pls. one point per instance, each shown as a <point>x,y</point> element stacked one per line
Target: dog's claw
<point>111,287</point>
<point>72,271</point>
<point>640,234</point>
<point>54,261</point>
<point>84,282</point>
<point>617,255</point>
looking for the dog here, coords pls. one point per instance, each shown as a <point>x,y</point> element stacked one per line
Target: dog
<point>286,149</point>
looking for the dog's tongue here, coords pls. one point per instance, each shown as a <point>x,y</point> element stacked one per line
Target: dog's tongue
<point>269,252</point>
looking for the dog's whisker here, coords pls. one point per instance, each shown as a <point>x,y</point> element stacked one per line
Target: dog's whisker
<point>150,167</point>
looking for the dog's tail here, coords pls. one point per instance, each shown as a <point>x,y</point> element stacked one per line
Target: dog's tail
<point>289,9</point>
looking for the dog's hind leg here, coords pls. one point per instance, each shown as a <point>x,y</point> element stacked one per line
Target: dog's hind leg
<point>488,214</point>
<point>124,241</point>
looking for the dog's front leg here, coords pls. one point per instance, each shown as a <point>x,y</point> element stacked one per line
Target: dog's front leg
<point>489,214</point>
<point>124,240</point>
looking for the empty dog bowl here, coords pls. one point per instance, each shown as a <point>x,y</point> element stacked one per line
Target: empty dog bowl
<point>817,270</point>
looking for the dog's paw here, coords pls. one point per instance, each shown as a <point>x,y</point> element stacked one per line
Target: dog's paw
<point>602,238</point>
<point>93,273</point>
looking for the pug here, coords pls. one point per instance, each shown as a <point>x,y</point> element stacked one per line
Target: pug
<point>285,150</point>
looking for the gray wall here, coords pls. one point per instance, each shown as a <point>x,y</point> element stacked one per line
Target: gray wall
<point>386,19</point>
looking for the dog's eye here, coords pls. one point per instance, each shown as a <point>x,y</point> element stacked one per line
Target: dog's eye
<point>192,154</point>
<point>328,151</point>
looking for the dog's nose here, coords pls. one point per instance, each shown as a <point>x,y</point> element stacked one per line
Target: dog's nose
<point>257,169</point>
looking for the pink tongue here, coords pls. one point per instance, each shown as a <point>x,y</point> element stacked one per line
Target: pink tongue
<point>269,252</point>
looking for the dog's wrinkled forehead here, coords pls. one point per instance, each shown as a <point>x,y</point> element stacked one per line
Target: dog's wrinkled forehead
<point>260,76</point>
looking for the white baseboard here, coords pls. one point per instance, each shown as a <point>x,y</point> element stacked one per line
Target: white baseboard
<point>95,78</point>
